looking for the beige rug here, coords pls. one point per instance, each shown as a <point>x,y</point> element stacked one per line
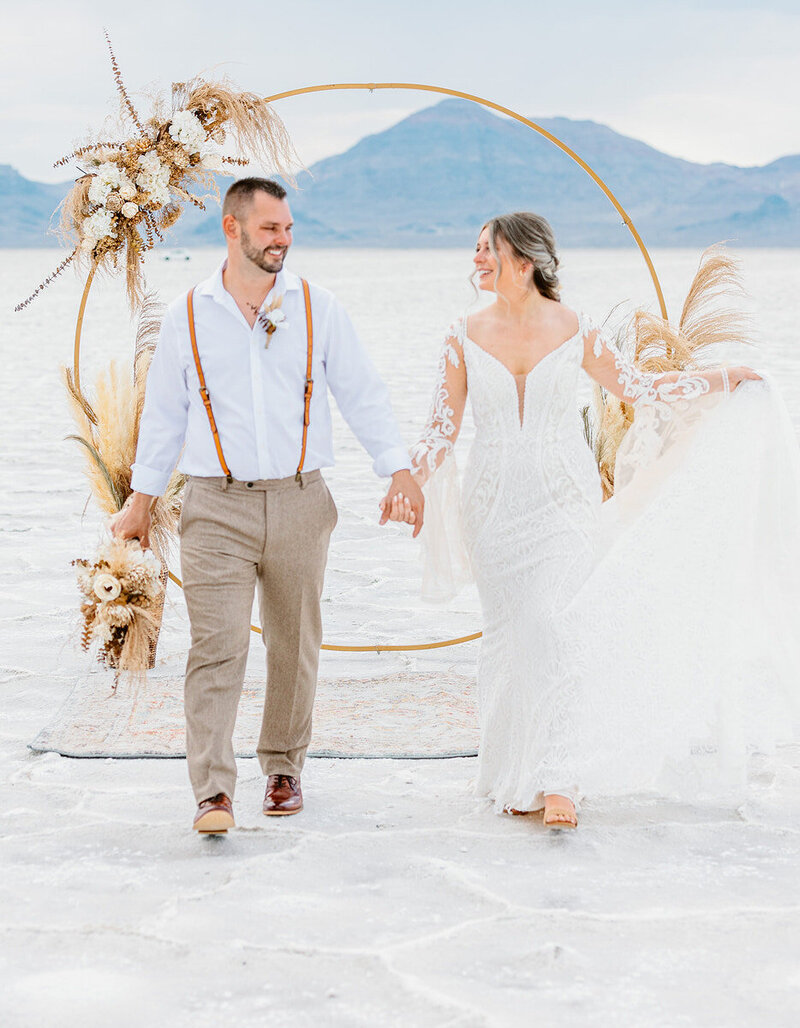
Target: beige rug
<point>407,715</point>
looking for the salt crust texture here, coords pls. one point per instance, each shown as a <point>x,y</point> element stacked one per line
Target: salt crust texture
<point>395,898</point>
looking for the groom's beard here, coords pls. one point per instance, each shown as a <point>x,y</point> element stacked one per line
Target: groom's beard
<point>266,261</point>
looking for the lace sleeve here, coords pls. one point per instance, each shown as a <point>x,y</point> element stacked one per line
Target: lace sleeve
<point>447,410</point>
<point>620,376</point>
<point>444,558</point>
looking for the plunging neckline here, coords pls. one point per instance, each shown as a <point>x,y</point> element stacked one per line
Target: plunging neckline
<point>522,394</point>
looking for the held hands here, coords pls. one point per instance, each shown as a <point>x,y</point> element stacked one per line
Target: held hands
<point>133,521</point>
<point>403,502</point>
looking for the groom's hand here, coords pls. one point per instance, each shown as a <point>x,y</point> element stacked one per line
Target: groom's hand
<point>134,521</point>
<point>403,502</point>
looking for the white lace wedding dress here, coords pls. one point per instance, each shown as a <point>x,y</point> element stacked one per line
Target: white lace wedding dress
<point>646,643</point>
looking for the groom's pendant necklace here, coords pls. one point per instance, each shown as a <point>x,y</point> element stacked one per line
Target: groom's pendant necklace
<point>263,321</point>
<point>270,318</point>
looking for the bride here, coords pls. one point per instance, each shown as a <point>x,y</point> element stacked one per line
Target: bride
<point>628,645</point>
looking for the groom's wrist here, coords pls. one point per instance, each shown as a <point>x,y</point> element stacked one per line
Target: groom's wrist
<point>139,502</point>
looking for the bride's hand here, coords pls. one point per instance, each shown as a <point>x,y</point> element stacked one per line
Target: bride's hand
<point>738,375</point>
<point>399,509</point>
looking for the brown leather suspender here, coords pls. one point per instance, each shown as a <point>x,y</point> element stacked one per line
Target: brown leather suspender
<point>309,380</point>
<point>309,385</point>
<point>203,391</point>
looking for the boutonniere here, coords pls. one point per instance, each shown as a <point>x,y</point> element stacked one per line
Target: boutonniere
<point>271,318</point>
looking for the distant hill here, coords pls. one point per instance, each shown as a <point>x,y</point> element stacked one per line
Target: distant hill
<point>26,209</point>
<point>432,179</point>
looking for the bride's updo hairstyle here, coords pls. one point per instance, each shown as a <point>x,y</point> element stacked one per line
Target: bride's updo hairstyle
<point>530,238</point>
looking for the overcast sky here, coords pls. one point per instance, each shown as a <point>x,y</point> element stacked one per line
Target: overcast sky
<point>708,81</point>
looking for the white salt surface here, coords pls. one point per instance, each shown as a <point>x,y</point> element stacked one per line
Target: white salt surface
<point>396,897</point>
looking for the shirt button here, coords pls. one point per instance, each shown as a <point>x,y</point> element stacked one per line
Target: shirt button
<point>249,485</point>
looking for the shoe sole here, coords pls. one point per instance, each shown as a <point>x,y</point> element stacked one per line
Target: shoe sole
<point>280,813</point>
<point>215,821</point>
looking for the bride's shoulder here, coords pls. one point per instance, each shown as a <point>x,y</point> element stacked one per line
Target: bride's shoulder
<point>478,324</point>
<point>590,331</point>
<point>570,319</point>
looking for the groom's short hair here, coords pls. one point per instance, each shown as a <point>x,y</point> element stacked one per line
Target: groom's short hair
<point>240,195</point>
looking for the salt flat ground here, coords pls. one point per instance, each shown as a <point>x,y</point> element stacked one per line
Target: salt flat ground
<point>396,897</point>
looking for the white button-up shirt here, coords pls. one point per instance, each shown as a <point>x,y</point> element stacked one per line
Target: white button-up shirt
<point>257,393</point>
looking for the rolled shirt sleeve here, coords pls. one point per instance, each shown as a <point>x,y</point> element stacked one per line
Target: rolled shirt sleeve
<point>361,395</point>
<point>162,429</point>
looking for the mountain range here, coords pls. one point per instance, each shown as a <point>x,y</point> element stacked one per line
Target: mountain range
<point>435,177</point>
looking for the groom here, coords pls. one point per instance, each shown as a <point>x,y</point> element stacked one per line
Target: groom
<point>238,389</point>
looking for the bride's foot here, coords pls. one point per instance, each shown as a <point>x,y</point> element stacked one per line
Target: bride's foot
<point>559,812</point>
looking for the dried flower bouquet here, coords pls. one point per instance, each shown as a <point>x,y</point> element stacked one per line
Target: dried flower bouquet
<point>123,596</point>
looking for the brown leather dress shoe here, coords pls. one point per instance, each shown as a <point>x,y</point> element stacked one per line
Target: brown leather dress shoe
<point>283,795</point>
<point>214,815</point>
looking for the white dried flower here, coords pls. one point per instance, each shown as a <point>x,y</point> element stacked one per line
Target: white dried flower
<point>106,179</point>
<point>150,162</point>
<point>275,317</point>
<point>212,161</point>
<point>129,209</point>
<point>98,191</point>
<point>109,177</point>
<point>97,226</point>
<point>102,631</point>
<point>119,614</point>
<point>153,179</point>
<point>150,561</point>
<point>106,587</point>
<point>187,129</point>
<point>127,189</point>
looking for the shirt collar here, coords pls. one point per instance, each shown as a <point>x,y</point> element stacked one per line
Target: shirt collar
<point>285,281</point>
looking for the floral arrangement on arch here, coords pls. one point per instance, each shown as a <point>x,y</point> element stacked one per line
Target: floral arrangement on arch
<point>131,191</point>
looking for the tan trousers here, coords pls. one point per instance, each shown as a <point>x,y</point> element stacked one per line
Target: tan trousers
<point>273,535</point>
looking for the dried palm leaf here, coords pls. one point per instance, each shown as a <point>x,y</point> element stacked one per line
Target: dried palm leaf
<point>109,431</point>
<point>252,123</point>
<point>82,411</point>
<point>104,487</point>
<point>148,327</point>
<point>657,347</point>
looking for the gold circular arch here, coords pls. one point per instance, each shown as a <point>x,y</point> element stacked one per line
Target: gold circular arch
<point>419,87</point>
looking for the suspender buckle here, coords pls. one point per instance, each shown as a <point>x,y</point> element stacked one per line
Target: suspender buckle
<point>307,399</point>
